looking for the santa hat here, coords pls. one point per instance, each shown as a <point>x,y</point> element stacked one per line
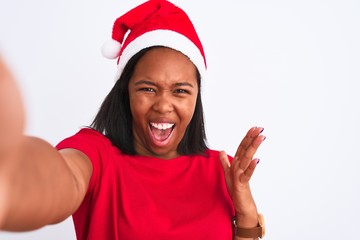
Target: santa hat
<point>154,23</point>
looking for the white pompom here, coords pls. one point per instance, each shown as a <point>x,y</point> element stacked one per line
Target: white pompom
<point>111,49</point>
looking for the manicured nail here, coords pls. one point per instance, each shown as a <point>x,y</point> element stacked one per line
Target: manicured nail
<point>262,130</point>
<point>257,160</point>
<point>264,138</point>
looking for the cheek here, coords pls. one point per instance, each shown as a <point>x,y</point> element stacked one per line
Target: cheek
<point>188,108</point>
<point>137,107</point>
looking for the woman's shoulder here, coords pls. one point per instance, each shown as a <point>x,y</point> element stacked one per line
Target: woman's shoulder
<point>212,153</point>
<point>86,139</point>
<point>96,146</point>
<point>86,135</point>
<point>90,132</point>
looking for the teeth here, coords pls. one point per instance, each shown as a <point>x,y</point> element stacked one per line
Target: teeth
<point>162,126</point>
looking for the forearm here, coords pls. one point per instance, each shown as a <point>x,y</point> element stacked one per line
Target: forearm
<point>246,221</point>
<point>248,217</point>
<point>36,187</point>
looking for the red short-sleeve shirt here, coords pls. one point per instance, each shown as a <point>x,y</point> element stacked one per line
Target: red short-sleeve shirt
<point>137,197</point>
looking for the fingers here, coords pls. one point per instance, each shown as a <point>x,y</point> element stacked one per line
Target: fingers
<point>253,132</point>
<point>225,163</point>
<point>245,142</point>
<point>249,146</point>
<point>250,152</point>
<point>224,160</point>
<point>243,164</point>
<point>246,176</point>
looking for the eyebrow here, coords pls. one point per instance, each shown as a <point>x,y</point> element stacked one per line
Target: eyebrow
<point>144,82</point>
<point>179,84</point>
<point>184,84</point>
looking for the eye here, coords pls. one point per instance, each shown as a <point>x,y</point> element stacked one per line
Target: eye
<point>182,91</point>
<point>146,89</point>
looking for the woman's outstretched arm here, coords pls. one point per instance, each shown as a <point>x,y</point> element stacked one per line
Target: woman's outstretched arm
<point>38,184</point>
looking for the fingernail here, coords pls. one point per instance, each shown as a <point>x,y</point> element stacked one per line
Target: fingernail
<point>262,130</point>
<point>264,138</point>
<point>257,161</point>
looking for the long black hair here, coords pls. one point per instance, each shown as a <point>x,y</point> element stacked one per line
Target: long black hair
<point>114,118</point>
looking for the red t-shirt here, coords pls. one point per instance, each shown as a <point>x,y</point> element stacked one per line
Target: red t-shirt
<point>138,197</point>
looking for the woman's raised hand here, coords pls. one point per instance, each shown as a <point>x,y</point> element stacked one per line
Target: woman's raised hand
<point>238,175</point>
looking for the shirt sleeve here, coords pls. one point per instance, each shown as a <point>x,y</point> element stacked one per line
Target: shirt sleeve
<point>90,142</point>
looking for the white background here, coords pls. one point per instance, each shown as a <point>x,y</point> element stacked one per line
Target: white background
<point>289,66</point>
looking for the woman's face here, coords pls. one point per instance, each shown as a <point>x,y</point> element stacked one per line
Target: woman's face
<point>163,92</point>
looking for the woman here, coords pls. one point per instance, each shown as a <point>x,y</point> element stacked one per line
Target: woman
<point>142,170</point>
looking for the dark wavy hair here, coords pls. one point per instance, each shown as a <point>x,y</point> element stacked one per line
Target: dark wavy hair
<point>114,118</point>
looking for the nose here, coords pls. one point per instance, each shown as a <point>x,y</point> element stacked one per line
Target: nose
<point>163,103</point>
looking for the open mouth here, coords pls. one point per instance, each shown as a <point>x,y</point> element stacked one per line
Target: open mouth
<point>161,131</point>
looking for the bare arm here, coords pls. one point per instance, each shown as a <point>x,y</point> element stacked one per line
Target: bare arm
<point>42,186</point>
<point>38,184</point>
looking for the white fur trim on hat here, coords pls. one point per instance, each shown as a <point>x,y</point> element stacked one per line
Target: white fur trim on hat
<point>166,38</point>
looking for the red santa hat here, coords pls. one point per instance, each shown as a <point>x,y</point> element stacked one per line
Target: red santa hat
<point>154,23</point>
